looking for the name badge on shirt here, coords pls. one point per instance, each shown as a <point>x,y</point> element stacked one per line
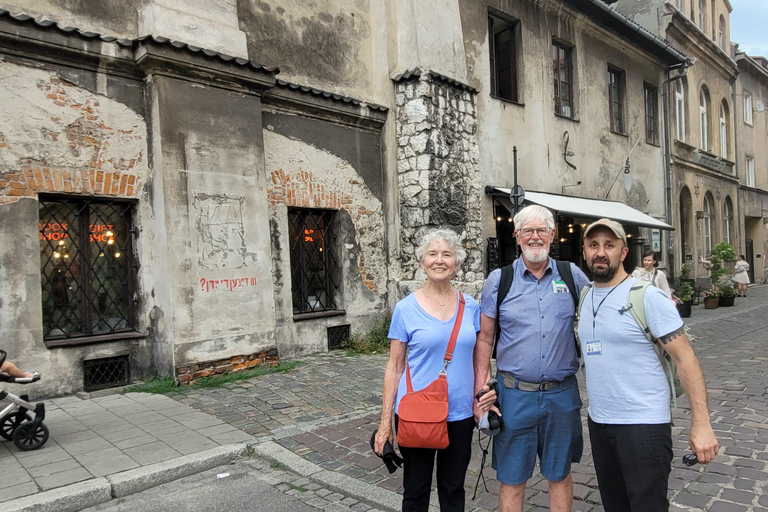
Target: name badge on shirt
<point>559,287</point>
<point>594,347</point>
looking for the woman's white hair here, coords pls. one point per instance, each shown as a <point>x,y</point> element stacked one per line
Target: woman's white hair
<point>449,236</point>
<point>534,212</point>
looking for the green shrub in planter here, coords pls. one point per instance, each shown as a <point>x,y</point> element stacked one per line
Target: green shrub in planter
<point>684,291</point>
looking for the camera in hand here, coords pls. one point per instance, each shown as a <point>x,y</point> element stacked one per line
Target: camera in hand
<point>491,422</point>
<point>690,459</point>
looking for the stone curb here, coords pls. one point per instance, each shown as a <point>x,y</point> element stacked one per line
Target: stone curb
<point>362,491</point>
<point>141,479</point>
<point>103,489</point>
<point>64,499</point>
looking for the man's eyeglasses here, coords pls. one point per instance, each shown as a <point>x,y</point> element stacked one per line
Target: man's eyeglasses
<point>528,232</point>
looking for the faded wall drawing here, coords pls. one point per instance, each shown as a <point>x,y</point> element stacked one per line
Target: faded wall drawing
<point>220,231</point>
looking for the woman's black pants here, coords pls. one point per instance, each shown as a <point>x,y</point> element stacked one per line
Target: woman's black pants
<point>452,462</point>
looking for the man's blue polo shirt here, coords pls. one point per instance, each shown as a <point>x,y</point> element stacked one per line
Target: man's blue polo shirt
<point>536,319</point>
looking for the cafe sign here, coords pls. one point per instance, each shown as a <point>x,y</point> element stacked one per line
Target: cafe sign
<point>708,161</point>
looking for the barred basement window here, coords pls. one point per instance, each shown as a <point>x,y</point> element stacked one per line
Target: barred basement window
<point>87,267</point>
<point>315,262</point>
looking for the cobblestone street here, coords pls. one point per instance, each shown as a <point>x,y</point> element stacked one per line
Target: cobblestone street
<point>325,410</point>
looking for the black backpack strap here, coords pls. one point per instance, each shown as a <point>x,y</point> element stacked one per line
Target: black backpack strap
<point>505,283</point>
<point>564,269</point>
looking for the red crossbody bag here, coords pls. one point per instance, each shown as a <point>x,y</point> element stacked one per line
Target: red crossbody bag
<point>423,415</point>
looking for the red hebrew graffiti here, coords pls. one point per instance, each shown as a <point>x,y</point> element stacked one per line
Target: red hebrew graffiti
<point>208,285</point>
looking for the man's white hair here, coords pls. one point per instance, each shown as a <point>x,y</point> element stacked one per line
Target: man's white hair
<point>534,212</point>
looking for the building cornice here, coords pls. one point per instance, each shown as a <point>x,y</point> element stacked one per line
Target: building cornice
<point>752,67</point>
<point>700,46</point>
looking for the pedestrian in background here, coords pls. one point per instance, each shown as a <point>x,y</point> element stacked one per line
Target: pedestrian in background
<point>741,275</point>
<point>537,362</point>
<point>629,396</point>
<point>419,333</point>
<point>649,272</point>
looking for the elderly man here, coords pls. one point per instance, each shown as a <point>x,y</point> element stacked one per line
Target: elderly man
<point>629,395</point>
<point>537,360</point>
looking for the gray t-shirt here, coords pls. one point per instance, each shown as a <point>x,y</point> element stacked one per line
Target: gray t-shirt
<point>625,382</point>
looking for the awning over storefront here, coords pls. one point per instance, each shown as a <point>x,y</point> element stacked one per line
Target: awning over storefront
<point>586,208</point>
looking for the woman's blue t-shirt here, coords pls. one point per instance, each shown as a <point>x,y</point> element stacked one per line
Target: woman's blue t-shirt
<point>427,338</point>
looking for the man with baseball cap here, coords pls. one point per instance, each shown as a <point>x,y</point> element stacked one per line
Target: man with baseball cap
<point>629,396</point>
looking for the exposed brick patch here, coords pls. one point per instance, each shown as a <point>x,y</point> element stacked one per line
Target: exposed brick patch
<point>76,148</point>
<point>189,373</point>
<point>304,189</point>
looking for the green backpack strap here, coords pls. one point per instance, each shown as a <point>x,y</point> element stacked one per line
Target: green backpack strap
<point>583,295</point>
<point>636,306</point>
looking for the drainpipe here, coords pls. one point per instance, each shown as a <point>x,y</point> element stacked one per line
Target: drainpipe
<point>736,166</point>
<point>668,213</point>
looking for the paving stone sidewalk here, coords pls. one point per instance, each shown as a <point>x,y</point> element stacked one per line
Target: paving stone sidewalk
<point>731,345</point>
<point>108,435</point>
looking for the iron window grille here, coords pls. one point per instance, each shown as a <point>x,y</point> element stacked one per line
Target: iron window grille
<point>562,68</point>
<point>105,373</point>
<point>337,335</point>
<point>87,267</point>
<point>315,263</point>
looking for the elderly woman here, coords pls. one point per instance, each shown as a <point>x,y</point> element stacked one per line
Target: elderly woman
<point>419,334</point>
<point>649,272</point>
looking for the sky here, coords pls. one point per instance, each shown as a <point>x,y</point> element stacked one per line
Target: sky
<point>749,26</point>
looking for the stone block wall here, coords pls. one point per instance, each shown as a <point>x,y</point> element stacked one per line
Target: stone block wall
<point>190,373</point>
<point>438,168</point>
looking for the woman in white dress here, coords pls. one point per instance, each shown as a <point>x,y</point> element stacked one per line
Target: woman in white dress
<point>741,275</point>
<point>649,272</point>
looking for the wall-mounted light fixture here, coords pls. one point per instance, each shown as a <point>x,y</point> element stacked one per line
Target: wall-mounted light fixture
<point>702,214</point>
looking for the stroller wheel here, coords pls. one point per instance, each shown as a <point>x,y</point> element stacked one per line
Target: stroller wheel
<point>29,436</point>
<point>7,425</point>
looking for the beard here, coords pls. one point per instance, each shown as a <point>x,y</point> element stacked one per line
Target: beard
<point>535,254</point>
<point>604,274</point>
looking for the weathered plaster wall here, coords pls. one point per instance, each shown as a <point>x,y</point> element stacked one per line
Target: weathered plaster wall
<point>427,34</point>
<point>304,171</point>
<point>753,141</point>
<point>209,24</point>
<point>115,18</point>
<point>539,134</point>
<point>56,137</point>
<point>213,200</point>
<point>326,43</point>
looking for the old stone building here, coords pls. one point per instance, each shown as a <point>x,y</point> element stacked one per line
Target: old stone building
<point>171,207</point>
<point>191,187</point>
<point>703,132</point>
<point>751,91</point>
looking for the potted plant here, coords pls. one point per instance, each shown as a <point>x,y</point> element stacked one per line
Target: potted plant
<point>711,298</point>
<point>727,293</point>
<point>684,294</point>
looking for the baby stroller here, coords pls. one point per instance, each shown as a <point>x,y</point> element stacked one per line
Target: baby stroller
<point>16,422</point>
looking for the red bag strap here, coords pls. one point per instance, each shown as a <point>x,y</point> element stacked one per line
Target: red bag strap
<point>451,345</point>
